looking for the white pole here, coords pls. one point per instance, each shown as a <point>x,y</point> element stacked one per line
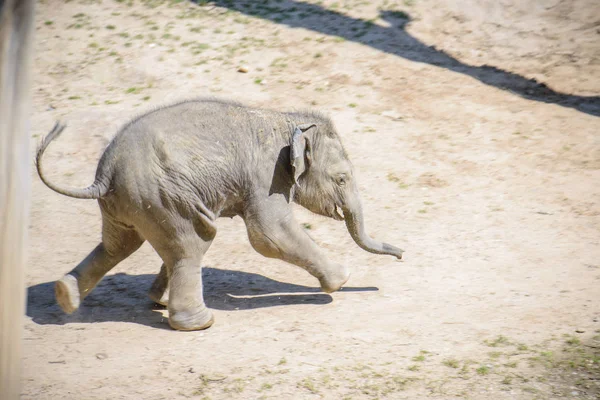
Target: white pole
<point>16,34</point>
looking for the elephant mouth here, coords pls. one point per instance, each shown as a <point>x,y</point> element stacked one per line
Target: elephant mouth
<point>338,213</point>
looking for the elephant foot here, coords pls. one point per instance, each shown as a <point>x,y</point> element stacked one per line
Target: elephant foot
<point>334,280</point>
<point>66,291</point>
<point>190,320</point>
<point>159,292</point>
<point>159,298</point>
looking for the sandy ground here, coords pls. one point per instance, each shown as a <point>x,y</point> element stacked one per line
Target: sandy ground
<point>474,129</point>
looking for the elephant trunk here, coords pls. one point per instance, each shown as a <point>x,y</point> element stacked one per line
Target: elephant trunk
<point>353,215</point>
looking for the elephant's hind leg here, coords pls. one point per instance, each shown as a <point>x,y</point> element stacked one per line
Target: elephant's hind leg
<point>187,310</point>
<point>181,243</point>
<point>117,244</point>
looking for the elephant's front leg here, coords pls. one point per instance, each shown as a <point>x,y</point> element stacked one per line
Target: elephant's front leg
<point>274,233</point>
<point>159,291</point>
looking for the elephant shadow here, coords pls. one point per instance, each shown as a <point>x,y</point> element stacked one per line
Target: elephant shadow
<point>124,298</point>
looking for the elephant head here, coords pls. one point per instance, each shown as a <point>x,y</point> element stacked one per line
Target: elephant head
<point>325,184</point>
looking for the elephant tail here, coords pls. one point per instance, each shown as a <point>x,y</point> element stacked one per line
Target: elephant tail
<point>95,191</point>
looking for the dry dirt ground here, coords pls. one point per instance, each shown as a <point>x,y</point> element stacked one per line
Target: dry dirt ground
<point>474,127</point>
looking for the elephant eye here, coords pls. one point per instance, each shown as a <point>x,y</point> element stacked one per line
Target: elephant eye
<point>341,179</point>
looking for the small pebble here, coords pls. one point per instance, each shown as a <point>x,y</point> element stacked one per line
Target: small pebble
<point>243,69</point>
<point>101,356</point>
<point>392,114</point>
<point>579,331</point>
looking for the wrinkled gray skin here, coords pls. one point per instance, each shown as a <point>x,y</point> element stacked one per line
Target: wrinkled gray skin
<point>168,174</point>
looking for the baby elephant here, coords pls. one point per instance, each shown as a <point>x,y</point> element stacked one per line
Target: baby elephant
<point>168,174</point>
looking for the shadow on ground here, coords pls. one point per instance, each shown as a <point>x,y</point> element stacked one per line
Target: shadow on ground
<point>124,298</point>
<point>394,39</point>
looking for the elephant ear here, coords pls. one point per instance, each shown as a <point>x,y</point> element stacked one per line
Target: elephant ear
<point>300,156</point>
